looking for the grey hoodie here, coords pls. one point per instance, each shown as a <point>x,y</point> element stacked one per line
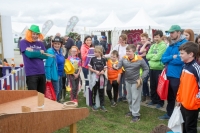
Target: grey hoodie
<point>132,68</point>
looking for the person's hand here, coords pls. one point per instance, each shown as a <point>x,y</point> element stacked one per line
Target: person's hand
<point>75,76</point>
<point>174,56</point>
<point>146,43</point>
<point>42,51</point>
<point>97,72</point>
<point>118,80</point>
<point>102,72</point>
<point>114,66</point>
<point>29,49</point>
<point>48,80</point>
<point>178,104</point>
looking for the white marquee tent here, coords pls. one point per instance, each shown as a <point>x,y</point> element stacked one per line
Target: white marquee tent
<point>111,22</point>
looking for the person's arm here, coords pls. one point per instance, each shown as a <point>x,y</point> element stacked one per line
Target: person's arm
<point>166,57</point>
<point>115,48</point>
<point>143,48</point>
<point>83,53</point>
<point>48,64</point>
<point>145,69</point>
<point>150,53</point>
<point>159,54</point>
<point>119,65</point>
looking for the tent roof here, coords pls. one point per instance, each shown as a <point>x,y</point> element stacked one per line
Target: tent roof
<point>140,21</point>
<point>110,23</point>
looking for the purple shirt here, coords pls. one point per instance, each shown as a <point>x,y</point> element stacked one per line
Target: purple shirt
<point>33,66</point>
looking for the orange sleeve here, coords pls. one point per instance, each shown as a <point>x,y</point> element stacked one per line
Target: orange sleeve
<point>178,96</point>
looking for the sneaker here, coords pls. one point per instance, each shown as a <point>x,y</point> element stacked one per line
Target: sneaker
<point>94,108</point>
<point>158,106</point>
<point>75,100</point>
<point>103,109</point>
<point>150,103</point>
<point>135,119</point>
<point>148,99</point>
<point>164,117</point>
<point>143,98</point>
<point>129,114</point>
<point>114,104</point>
<point>124,99</point>
<point>119,100</point>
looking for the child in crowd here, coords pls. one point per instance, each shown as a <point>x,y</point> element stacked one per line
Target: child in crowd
<point>154,56</point>
<point>97,66</point>
<point>74,79</point>
<point>113,78</point>
<point>132,64</point>
<point>188,95</point>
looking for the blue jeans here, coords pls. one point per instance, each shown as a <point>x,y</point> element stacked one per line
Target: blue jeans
<point>145,88</point>
<point>57,85</point>
<point>122,81</point>
<point>85,73</point>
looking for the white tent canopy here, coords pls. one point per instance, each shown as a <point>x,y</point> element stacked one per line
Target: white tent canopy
<point>111,22</point>
<point>140,21</point>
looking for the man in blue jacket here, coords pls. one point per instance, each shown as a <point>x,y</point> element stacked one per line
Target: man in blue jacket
<point>171,59</point>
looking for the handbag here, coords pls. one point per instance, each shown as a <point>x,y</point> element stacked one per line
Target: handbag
<point>163,83</point>
<point>49,92</point>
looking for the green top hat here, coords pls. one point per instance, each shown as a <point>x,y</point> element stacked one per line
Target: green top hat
<point>174,28</point>
<point>35,28</point>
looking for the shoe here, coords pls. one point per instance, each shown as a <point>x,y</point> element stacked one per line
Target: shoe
<point>124,99</point>
<point>143,98</point>
<point>119,100</point>
<point>148,99</point>
<point>150,103</point>
<point>114,104</point>
<point>75,100</point>
<point>129,114</point>
<point>103,109</point>
<point>158,106</point>
<point>135,119</point>
<point>164,117</point>
<point>94,108</point>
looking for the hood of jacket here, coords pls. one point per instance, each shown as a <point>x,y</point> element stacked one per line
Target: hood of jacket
<point>176,43</point>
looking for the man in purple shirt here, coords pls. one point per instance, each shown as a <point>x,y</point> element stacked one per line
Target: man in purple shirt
<point>32,51</point>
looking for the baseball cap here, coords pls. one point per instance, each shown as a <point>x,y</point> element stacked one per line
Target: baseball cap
<point>174,28</point>
<point>57,39</point>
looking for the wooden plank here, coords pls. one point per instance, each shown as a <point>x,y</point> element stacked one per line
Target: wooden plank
<point>73,128</point>
<point>26,109</point>
<point>10,95</point>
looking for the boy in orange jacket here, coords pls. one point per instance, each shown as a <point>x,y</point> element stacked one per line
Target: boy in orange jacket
<point>188,96</point>
<point>113,78</point>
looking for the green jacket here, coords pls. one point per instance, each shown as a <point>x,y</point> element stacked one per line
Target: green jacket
<point>154,56</point>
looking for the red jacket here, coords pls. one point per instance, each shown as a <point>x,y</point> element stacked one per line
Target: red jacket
<point>84,52</point>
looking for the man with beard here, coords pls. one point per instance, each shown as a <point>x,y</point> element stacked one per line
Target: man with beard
<point>171,59</point>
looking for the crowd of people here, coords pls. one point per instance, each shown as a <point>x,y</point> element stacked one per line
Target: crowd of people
<point>127,69</point>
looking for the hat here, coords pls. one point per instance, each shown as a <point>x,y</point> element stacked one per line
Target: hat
<point>57,39</point>
<point>103,37</point>
<point>35,28</point>
<point>174,28</point>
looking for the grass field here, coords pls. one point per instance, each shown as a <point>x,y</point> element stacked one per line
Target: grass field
<point>114,120</point>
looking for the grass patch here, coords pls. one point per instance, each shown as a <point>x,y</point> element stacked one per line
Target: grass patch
<point>114,120</point>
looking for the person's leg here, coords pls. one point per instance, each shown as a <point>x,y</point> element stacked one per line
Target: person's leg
<point>158,100</point>
<point>172,91</point>
<point>32,82</point>
<point>108,90</point>
<point>136,98</point>
<point>101,96</point>
<point>120,88</point>
<point>94,93</point>
<point>56,88</point>
<point>85,73</point>
<point>145,87</point>
<point>60,87</point>
<point>184,118</point>
<point>63,88</point>
<point>190,120</point>
<point>115,90</point>
<point>73,86</point>
<point>153,86</point>
<point>77,87</point>
<point>41,87</point>
<point>124,88</point>
<point>129,96</point>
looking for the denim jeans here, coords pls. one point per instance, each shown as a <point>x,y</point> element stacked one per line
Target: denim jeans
<point>85,73</point>
<point>57,87</point>
<point>122,81</point>
<point>145,88</point>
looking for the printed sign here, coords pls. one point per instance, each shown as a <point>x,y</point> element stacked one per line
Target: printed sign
<point>71,24</point>
<point>46,27</point>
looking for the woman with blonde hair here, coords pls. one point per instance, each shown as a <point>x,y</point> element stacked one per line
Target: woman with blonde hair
<point>121,48</point>
<point>189,34</point>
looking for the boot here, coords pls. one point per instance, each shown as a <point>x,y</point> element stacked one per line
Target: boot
<point>143,98</point>
<point>63,95</point>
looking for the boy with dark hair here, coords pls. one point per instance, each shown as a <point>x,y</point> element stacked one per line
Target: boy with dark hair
<point>113,78</point>
<point>154,58</point>
<point>132,64</point>
<point>188,95</point>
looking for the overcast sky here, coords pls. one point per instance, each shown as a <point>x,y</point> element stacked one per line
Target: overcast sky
<point>91,13</point>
